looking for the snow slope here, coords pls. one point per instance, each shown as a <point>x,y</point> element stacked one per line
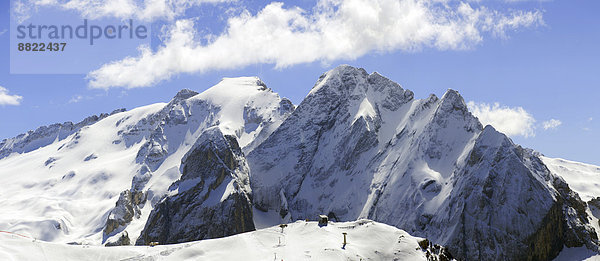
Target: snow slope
<point>582,178</point>
<point>366,240</point>
<point>63,192</point>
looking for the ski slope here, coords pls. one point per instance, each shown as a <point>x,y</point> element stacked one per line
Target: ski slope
<point>366,240</point>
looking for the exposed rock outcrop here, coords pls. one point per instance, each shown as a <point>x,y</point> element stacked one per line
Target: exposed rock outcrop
<point>127,207</point>
<point>123,240</point>
<point>435,252</point>
<point>565,225</point>
<point>210,200</point>
<point>594,205</point>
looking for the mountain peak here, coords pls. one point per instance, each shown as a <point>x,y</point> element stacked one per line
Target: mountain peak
<point>453,96</point>
<point>339,77</point>
<point>184,94</point>
<point>452,100</point>
<point>239,89</point>
<point>345,68</point>
<point>243,81</point>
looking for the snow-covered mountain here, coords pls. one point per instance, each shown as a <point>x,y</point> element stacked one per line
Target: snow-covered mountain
<point>238,157</point>
<point>359,146</point>
<point>104,179</point>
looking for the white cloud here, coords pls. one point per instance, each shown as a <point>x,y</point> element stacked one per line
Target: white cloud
<point>515,21</point>
<point>3,31</point>
<point>513,121</point>
<point>146,10</point>
<point>333,30</point>
<point>78,98</point>
<point>7,99</point>
<point>551,124</point>
<point>590,119</point>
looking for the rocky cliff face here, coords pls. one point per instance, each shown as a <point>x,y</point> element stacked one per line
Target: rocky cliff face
<point>126,209</point>
<point>359,146</point>
<point>510,206</point>
<point>329,132</point>
<point>211,199</point>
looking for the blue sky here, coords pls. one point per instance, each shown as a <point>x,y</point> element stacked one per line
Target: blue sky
<point>550,69</point>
